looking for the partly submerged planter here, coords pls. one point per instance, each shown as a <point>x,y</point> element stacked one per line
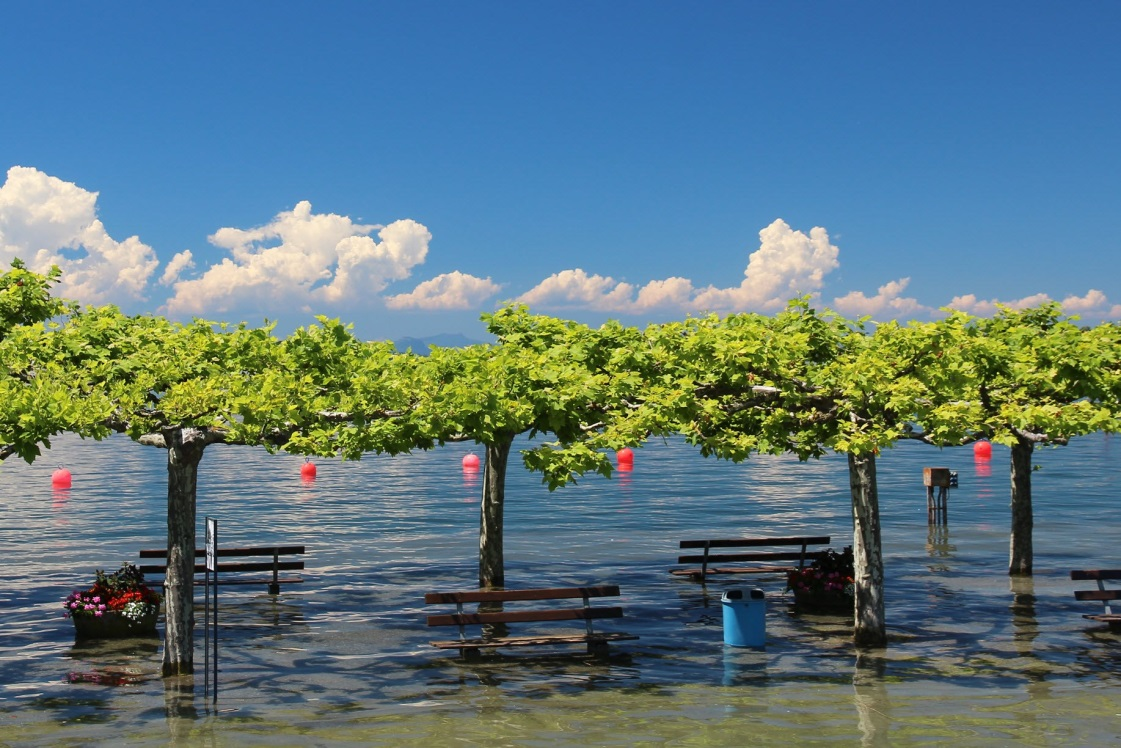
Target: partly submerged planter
<point>825,601</point>
<point>112,625</point>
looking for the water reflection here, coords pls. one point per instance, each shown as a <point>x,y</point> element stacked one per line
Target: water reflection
<point>939,548</point>
<point>982,468</point>
<point>180,710</point>
<point>348,649</point>
<point>870,696</point>
<point>472,477</point>
<point>745,667</point>
<point>119,662</point>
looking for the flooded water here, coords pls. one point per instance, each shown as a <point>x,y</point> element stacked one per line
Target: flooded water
<point>974,658</point>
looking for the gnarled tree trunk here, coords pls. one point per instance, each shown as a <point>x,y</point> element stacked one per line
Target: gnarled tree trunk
<point>491,563</point>
<point>870,628</point>
<point>1020,546</point>
<point>184,450</point>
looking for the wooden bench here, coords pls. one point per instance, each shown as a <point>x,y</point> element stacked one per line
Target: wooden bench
<point>490,612</point>
<point>274,564</point>
<point>762,561</point>
<point>1102,593</point>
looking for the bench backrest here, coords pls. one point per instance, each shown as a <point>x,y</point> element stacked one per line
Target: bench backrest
<point>257,550</point>
<point>273,551</point>
<point>800,542</point>
<point>461,618</point>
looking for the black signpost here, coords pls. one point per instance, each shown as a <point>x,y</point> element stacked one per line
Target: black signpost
<point>211,638</point>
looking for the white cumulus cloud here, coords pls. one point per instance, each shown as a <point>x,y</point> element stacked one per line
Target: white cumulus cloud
<point>454,290</point>
<point>1094,302</point>
<point>47,221</point>
<point>970,304</point>
<point>788,263</point>
<point>888,302</point>
<point>1094,305</point>
<point>576,289</point>
<point>302,259</point>
<point>180,262</point>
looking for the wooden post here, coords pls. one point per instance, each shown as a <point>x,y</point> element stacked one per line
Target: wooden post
<point>936,510</point>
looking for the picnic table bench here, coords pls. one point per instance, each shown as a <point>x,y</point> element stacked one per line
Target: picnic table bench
<point>761,561</point>
<point>1102,593</point>
<point>273,564</point>
<point>491,612</point>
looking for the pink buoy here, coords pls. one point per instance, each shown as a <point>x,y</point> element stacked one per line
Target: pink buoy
<point>307,470</point>
<point>982,450</point>
<point>625,456</point>
<point>470,462</point>
<point>61,478</point>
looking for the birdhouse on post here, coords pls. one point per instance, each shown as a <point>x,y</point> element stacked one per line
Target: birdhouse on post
<point>942,479</point>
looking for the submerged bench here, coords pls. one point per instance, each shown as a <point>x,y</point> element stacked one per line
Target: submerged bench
<point>234,572</point>
<point>1102,593</point>
<point>491,612</point>
<point>760,561</point>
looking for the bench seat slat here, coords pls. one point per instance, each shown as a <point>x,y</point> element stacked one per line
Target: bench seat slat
<point>755,542</point>
<point>597,642</point>
<point>523,616</point>
<point>498,596</point>
<point>526,641</point>
<point>1104,617</point>
<point>1094,574</point>
<point>1098,594</point>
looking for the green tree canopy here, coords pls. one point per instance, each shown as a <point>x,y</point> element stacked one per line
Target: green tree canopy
<point>1025,378</point>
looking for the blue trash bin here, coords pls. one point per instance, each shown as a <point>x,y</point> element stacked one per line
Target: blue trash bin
<point>745,621</point>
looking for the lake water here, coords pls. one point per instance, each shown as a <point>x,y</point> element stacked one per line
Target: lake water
<point>974,658</point>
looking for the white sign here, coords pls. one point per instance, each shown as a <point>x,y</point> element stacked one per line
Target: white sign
<point>211,544</point>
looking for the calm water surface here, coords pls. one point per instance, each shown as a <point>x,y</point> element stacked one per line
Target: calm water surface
<point>344,658</point>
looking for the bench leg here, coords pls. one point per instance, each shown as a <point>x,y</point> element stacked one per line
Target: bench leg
<point>470,654</point>
<point>598,648</point>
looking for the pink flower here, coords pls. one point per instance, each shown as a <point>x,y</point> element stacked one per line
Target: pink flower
<point>97,613</point>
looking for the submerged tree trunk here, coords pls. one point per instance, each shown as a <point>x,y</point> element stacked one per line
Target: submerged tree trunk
<point>1020,547</point>
<point>870,629</point>
<point>184,450</point>
<point>491,564</point>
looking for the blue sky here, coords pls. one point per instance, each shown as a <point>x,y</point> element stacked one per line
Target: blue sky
<point>409,166</point>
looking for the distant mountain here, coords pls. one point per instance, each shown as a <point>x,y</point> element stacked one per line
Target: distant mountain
<point>445,340</point>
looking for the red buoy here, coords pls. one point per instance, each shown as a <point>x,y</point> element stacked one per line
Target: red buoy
<point>625,456</point>
<point>982,450</point>
<point>307,470</point>
<point>61,478</point>
<point>470,462</point>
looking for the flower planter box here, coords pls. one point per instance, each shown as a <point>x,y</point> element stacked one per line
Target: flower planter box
<point>825,586</point>
<point>117,606</point>
<point>112,625</point>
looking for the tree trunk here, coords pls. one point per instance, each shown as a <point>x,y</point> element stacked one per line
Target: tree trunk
<point>869,629</point>
<point>1020,549</point>
<point>491,563</point>
<point>184,450</point>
